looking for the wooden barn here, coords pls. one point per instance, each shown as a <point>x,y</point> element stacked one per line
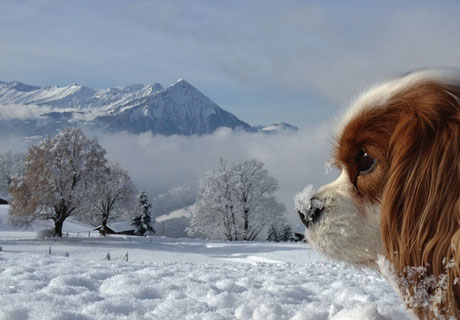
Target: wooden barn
<point>117,228</point>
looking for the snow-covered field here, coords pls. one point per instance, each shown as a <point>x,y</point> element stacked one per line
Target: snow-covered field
<point>180,279</point>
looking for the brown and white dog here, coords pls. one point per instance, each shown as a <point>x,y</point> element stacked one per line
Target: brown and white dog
<point>398,195</point>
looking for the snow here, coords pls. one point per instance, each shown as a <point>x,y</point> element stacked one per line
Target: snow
<point>181,279</point>
<point>74,95</point>
<point>278,127</point>
<point>84,102</point>
<point>304,203</point>
<point>177,109</point>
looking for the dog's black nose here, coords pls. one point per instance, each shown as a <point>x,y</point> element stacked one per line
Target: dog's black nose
<point>313,213</point>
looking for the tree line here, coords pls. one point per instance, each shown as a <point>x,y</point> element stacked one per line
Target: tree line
<point>69,175</point>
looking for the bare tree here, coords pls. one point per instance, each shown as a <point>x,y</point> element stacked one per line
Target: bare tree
<point>236,202</point>
<point>11,167</point>
<point>114,197</point>
<point>59,177</point>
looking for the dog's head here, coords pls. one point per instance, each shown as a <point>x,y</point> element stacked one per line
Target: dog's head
<point>398,195</point>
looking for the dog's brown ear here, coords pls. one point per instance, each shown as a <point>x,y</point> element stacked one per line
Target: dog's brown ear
<point>420,215</point>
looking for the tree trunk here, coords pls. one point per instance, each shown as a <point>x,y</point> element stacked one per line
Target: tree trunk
<point>61,213</point>
<point>235,227</point>
<point>103,229</point>
<point>58,227</point>
<point>246,224</point>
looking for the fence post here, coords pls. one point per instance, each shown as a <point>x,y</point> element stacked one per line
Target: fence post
<point>89,234</point>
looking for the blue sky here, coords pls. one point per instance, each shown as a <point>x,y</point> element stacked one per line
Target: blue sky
<point>265,61</point>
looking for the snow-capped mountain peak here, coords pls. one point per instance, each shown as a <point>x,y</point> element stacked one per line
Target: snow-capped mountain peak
<point>177,109</point>
<point>19,86</point>
<point>183,87</point>
<point>277,127</point>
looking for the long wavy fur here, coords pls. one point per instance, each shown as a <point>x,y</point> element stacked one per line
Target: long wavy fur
<point>420,215</point>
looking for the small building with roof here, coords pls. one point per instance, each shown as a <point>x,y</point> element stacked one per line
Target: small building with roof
<point>116,228</point>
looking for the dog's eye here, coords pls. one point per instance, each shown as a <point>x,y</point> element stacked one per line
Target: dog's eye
<point>365,162</point>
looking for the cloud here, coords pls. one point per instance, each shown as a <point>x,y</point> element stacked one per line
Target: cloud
<point>19,111</point>
<point>29,111</point>
<point>306,48</point>
<point>158,163</point>
<point>246,55</point>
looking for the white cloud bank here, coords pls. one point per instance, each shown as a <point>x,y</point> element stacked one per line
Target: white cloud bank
<point>158,163</point>
<point>20,111</point>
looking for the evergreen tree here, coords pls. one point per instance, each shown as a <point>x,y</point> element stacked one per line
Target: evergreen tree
<point>143,222</point>
<point>272,234</point>
<point>287,234</point>
<point>11,167</point>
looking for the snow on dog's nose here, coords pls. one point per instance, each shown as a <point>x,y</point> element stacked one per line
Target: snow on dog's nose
<point>308,207</point>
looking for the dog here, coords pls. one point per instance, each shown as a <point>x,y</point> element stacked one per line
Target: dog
<point>396,204</point>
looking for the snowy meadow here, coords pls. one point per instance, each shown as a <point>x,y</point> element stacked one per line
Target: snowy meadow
<point>179,279</point>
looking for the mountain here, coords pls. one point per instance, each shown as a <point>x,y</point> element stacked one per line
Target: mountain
<point>177,109</point>
<point>73,96</point>
<point>277,127</point>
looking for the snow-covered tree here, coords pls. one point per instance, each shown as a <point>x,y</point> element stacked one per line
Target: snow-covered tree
<point>114,197</point>
<point>144,221</point>
<point>254,189</point>
<point>214,216</point>
<point>235,202</point>
<point>11,167</point>
<point>287,234</point>
<point>59,177</point>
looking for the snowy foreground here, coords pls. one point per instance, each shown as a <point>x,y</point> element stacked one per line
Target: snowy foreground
<point>181,279</point>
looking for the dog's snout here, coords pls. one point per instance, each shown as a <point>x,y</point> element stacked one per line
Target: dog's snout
<point>313,213</point>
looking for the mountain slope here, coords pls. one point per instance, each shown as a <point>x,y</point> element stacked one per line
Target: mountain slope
<point>72,96</point>
<point>278,127</point>
<point>178,109</point>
